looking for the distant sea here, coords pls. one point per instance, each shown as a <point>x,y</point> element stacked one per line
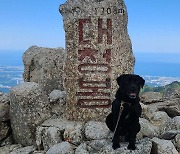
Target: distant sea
<point>156,68</point>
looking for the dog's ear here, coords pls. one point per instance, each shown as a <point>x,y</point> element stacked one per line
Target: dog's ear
<point>120,79</point>
<point>141,81</point>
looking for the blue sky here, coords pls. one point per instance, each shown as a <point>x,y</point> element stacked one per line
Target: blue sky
<point>154,25</point>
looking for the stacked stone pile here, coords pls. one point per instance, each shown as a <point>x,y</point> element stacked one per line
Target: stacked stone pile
<point>29,108</point>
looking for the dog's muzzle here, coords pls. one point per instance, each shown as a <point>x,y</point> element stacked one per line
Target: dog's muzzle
<point>132,95</point>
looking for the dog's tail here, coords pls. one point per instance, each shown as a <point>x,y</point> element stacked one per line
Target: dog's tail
<point>109,122</point>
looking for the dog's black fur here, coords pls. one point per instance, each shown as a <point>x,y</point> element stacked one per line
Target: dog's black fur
<point>128,126</point>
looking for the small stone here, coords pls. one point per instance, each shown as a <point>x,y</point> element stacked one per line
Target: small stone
<point>147,129</point>
<point>81,149</point>
<point>24,150</point>
<point>46,137</point>
<point>151,97</point>
<point>169,135</point>
<point>29,108</point>
<point>55,95</point>
<point>61,148</point>
<point>96,130</point>
<point>177,142</point>
<point>9,148</point>
<point>163,146</point>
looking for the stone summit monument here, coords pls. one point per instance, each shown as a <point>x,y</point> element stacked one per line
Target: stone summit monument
<point>98,50</point>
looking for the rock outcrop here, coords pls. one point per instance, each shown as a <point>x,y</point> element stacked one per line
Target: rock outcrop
<point>44,66</point>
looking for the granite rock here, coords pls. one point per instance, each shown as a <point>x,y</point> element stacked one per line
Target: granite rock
<point>71,131</point>
<point>151,97</point>
<point>58,103</point>
<point>96,130</point>
<point>29,107</point>
<point>177,142</point>
<point>46,137</point>
<point>44,66</point>
<point>98,51</point>
<point>143,147</point>
<point>4,107</point>
<point>61,148</point>
<point>163,146</point>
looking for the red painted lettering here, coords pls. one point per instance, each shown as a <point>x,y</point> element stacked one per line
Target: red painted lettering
<point>81,35</point>
<point>87,52</point>
<point>93,103</point>
<point>94,68</point>
<point>107,55</point>
<point>107,31</point>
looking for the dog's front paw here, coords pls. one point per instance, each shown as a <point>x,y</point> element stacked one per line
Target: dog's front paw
<point>131,146</point>
<point>115,146</point>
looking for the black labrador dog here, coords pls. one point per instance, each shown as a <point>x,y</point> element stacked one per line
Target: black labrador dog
<point>126,123</point>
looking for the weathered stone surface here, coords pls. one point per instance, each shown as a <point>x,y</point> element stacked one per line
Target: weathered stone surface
<point>55,95</point>
<point>29,107</point>
<point>4,107</point>
<point>169,135</point>
<point>163,146</point>
<point>143,147</point>
<point>147,129</point>
<point>3,130</point>
<point>176,123</point>
<point>74,133</point>
<point>96,130</point>
<point>151,97</point>
<point>46,137</point>
<point>45,67</point>
<point>24,150</point>
<point>61,148</point>
<point>9,148</point>
<point>177,142</point>
<point>71,131</point>
<point>58,103</point>
<point>171,107</point>
<point>98,50</point>
<point>96,145</point>
<point>82,149</point>
<point>162,121</point>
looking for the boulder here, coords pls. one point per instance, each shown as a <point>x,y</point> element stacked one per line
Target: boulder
<point>143,147</point>
<point>96,130</point>
<point>61,148</point>
<point>46,137</point>
<point>147,129</point>
<point>151,97</point>
<point>29,107</point>
<point>24,150</point>
<point>4,128</point>
<point>162,121</point>
<point>45,67</point>
<point>82,149</point>
<point>58,103</point>
<point>70,131</point>
<point>4,107</point>
<point>177,142</point>
<point>171,107</point>
<point>56,95</point>
<point>9,148</point>
<point>163,146</point>
<point>96,145</point>
<point>170,135</point>
<point>176,123</point>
